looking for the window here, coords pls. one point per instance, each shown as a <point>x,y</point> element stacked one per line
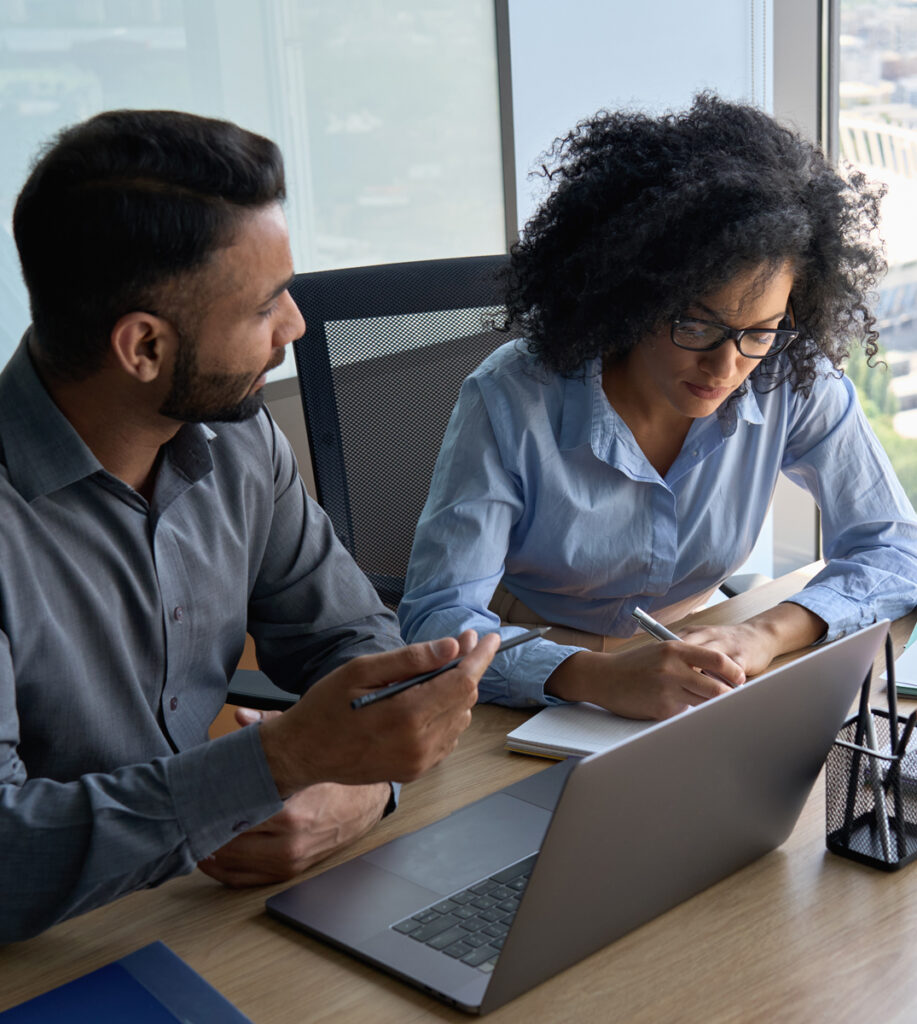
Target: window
<point>387,114</point>
<point>877,132</point>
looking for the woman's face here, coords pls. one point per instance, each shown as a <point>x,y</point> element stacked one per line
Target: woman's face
<point>695,384</point>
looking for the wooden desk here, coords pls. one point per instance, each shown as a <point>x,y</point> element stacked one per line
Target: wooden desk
<point>800,935</point>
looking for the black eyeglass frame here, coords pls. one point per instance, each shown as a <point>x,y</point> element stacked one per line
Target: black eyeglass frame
<point>790,334</point>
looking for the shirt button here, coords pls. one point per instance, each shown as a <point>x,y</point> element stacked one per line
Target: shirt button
<point>694,455</point>
<point>241,826</point>
<point>173,703</point>
<point>178,612</point>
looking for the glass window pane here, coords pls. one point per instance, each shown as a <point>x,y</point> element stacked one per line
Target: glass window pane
<point>877,132</point>
<point>387,114</point>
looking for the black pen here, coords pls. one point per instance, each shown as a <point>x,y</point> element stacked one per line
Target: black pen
<point>894,779</point>
<point>390,691</point>
<point>901,749</point>
<point>892,690</point>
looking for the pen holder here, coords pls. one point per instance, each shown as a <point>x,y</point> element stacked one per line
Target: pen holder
<point>871,798</point>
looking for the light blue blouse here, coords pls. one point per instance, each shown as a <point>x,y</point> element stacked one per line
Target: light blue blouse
<point>541,484</point>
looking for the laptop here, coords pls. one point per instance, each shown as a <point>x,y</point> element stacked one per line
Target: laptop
<point>506,892</point>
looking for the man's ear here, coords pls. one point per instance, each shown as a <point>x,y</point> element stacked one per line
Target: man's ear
<point>142,344</point>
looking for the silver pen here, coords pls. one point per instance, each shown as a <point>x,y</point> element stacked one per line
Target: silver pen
<point>659,632</point>
<point>651,626</point>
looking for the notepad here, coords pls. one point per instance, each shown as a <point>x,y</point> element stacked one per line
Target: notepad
<point>572,729</point>
<point>150,986</point>
<point>906,672</point>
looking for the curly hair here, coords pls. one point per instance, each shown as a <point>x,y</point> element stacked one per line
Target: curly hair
<point>646,215</point>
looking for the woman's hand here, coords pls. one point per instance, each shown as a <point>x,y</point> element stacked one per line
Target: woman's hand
<point>755,643</point>
<point>651,681</point>
<point>662,679</point>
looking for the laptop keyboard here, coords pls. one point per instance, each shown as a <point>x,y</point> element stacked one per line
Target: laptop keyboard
<point>471,925</point>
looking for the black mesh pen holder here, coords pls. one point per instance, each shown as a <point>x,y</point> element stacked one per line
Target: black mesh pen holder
<point>871,794</point>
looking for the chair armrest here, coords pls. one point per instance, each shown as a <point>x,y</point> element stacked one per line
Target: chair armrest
<point>743,581</point>
<point>251,688</point>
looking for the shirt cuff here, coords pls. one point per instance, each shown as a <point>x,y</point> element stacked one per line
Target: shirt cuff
<point>221,788</point>
<point>531,668</point>
<point>842,615</point>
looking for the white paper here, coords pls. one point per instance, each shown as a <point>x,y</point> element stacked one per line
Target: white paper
<point>906,667</point>
<point>573,729</point>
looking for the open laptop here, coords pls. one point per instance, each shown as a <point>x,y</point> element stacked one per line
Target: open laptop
<point>505,892</point>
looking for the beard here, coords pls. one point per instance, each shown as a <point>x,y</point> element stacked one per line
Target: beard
<point>198,397</point>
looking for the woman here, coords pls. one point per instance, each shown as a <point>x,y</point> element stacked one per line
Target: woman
<point>688,292</point>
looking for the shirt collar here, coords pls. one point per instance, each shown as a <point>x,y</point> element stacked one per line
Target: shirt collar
<point>42,451</point>
<point>746,408</point>
<point>585,418</point>
<point>581,413</point>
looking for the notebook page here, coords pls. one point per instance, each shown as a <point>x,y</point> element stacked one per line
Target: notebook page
<point>572,729</point>
<point>906,670</point>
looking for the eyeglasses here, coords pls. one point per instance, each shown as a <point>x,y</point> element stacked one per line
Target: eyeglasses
<point>752,342</point>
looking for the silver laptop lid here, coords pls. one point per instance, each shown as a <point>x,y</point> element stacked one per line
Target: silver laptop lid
<point>644,826</point>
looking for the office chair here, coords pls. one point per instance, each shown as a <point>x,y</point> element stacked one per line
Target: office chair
<point>385,351</point>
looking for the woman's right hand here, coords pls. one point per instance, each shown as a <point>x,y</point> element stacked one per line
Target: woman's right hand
<point>652,681</point>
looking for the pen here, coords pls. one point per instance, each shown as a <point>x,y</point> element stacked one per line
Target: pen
<point>659,632</point>
<point>404,684</point>
<point>892,690</point>
<point>854,776</point>
<point>878,792</point>
<point>894,778</point>
<point>651,626</point>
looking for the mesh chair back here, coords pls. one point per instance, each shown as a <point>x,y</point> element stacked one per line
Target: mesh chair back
<point>385,351</point>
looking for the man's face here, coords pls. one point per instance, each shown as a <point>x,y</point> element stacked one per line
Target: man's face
<point>247,320</point>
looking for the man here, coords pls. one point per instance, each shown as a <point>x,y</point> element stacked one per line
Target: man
<point>139,544</point>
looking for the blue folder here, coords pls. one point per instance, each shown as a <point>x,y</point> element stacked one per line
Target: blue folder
<point>151,986</point>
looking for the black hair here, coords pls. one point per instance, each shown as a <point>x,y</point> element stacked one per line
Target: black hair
<point>648,214</point>
<point>118,205</point>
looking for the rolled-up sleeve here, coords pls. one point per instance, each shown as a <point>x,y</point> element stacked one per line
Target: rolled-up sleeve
<point>459,552</point>
<point>869,530</point>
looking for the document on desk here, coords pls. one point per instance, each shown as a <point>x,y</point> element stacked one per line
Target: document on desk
<point>150,986</point>
<point>906,671</point>
<point>577,729</point>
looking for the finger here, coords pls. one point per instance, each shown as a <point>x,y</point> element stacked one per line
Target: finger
<point>481,655</point>
<point>467,641</point>
<point>250,716</point>
<point>375,670</point>
<point>469,671</point>
<point>703,687</point>
<point>440,694</point>
<point>710,660</point>
<point>239,879</point>
<point>247,716</point>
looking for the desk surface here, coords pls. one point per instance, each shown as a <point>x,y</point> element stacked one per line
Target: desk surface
<point>800,935</point>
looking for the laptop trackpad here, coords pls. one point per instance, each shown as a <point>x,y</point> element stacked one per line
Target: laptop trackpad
<point>471,843</point>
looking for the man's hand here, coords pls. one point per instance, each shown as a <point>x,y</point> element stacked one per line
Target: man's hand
<point>313,823</point>
<point>323,739</point>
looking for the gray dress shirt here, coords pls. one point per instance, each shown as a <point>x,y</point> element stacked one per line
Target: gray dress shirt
<point>121,622</point>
